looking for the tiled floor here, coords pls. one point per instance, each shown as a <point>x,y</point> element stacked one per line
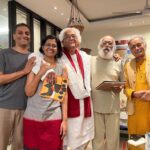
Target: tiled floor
<point>122,146</point>
<point>88,148</point>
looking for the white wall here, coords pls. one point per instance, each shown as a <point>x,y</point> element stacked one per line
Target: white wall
<point>90,39</point>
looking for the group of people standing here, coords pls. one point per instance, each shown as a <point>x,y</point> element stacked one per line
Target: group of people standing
<point>35,122</point>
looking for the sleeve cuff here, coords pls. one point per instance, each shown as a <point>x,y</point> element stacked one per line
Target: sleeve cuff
<point>129,93</point>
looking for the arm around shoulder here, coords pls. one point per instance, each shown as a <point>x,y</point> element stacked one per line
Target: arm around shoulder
<point>7,78</point>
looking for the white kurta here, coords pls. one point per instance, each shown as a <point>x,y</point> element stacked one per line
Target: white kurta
<point>80,129</point>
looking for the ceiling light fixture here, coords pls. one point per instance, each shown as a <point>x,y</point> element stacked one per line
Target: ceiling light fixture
<point>75,20</point>
<point>130,23</point>
<point>55,7</point>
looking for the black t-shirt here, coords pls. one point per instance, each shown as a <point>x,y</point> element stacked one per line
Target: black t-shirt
<point>12,95</point>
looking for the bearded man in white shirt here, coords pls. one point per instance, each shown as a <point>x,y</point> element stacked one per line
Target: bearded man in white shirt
<point>106,103</point>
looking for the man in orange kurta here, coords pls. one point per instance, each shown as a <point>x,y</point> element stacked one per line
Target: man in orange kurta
<point>137,74</point>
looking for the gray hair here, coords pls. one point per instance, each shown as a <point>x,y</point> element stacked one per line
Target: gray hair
<point>76,31</point>
<point>101,40</point>
<point>134,37</point>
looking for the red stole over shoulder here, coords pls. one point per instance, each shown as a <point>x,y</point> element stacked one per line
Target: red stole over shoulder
<point>73,104</point>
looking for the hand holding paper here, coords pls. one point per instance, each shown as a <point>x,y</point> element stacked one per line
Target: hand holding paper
<point>118,88</point>
<point>111,86</point>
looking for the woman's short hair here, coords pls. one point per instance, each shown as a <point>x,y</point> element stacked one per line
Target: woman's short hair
<point>59,47</point>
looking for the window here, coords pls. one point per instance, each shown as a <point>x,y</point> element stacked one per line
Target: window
<point>57,33</point>
<point>37,34</point>
<point>4,38</point>
<point>39,26</point>
<point>48,29</point>
<point>21,17</point>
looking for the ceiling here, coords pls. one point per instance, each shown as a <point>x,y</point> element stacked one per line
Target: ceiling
<point>95,14</point>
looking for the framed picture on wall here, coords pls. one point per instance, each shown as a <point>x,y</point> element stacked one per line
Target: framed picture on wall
<point>121,47</point>
<point>123,50</point>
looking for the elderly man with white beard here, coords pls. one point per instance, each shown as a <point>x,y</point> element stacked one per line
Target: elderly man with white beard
<point>106,103</point>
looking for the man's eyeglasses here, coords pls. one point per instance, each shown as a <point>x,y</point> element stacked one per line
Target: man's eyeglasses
<point>138,45</point>
<point>107,43</point>
<point>70,37</point>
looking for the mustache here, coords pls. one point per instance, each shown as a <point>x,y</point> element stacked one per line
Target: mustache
<point>107,49</point>
<point>106,54</point>
<point>138,51</point>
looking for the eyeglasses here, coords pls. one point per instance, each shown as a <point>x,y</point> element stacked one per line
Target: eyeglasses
<point>73,36</point>
<point>107,42</point>
<point>138,45</point>
<point>50,46</point>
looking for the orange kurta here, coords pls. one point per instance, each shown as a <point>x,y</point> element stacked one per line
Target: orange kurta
<point>139,122</point>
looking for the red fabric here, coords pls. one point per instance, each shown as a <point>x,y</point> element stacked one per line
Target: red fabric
<point>79,59</point>
<point>80,62</point>
<point>87,107</point>
<point>42,135</point>
<point>70,59</point>
<point>73,104</point>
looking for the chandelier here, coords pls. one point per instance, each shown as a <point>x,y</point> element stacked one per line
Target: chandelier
<point>74,20</point>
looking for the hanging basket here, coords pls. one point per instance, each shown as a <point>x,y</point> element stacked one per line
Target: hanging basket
<point>75,20</point>
<point>80,27</point>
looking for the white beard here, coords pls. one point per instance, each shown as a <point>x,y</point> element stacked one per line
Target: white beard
<point>106,55</point>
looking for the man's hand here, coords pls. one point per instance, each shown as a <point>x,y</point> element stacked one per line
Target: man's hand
<point>117,89</point>
<point>138,94</point>
<point>146,95</point>
<point>116,57</point>
<point>143,94</point>
<point>29,65</point>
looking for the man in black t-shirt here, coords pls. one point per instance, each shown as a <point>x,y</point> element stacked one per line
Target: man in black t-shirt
<point>14,66</point>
